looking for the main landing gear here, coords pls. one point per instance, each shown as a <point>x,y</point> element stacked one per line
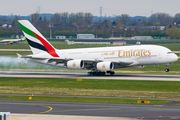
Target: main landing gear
<point>167,69</point>
<point>99,73</point>
<point>110,72</point>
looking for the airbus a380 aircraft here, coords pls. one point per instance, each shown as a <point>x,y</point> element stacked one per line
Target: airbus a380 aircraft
<point>100,60</point>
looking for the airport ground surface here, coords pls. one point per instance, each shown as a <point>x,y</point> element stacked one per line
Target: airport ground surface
<point>86,76</point>
<point>102,110</point>
<point>26,110</point>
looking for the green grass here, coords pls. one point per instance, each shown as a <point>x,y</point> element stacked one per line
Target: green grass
<point>13,53</point>
<point>56,44</point>
<point>172,46</point>
<point>118,88</point>
<point>64,45</point>
<point>20,45</point>
<point>176,104</point>
<point>153,69</point>
<point>1,38</point>
<point>78,99</point>
<point>178,54</point>
<point>92,84</point>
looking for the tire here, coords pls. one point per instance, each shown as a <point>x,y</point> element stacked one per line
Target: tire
<point>101,73</point>
<point>90,73</point>
<point>166,70</point>
<point>112,73</point>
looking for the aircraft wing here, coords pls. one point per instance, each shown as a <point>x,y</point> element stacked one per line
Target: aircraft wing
<point>88,63</point>
<point>91,63</point>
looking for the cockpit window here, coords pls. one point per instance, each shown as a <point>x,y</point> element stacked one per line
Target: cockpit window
<point>169,52</point>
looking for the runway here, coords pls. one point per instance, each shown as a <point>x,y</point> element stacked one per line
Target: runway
<point>130,111</point>
<point>85,76</point>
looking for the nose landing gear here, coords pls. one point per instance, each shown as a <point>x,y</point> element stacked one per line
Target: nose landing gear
<point>167,69</point>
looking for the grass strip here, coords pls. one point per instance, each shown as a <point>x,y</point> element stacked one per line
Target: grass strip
<point>90,87</point>
<point>98,84</point>
<point>176,104</point>
<point>79,99</point>
<point>64,45</point>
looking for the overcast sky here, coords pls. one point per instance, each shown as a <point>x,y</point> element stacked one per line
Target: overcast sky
<point>109,7</point>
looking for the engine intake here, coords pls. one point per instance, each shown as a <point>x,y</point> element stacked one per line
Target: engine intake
<point>75,64</point>
<point>105,66</point>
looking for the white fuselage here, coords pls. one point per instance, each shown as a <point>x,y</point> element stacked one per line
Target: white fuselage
<point>137,54</point>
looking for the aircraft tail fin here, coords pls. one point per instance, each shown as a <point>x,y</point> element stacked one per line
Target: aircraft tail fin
<point>37,42</point>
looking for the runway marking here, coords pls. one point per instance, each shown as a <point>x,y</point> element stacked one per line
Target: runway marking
<point>44,111</point>
<point>84,76</point>
<point>111,109</point>
<point>87,110</point>
<point>32,113</point>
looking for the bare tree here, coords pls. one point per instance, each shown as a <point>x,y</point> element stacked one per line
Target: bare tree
<point>143,21</point>
<point>34,17</point>
<point>153,18</point>
<point>80,18</point>
<point>44,19</point>
<point>88,18</point>
<point>124,19</point>
<point>72,18</point>
<point>15,22</point>
<point>164,18</point>
<point>177,18</point>
<point>161,18</point>
<point>64,17</point>
<point>56,18</point>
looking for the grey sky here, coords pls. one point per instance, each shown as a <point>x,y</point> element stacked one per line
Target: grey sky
<point>109,7</point>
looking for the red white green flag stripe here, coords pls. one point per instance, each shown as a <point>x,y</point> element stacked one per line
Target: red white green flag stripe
<point>48,47</point>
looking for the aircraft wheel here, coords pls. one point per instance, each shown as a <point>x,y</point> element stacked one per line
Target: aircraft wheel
<point>167,70</point>
<point>101,73</point>
<point>112,73</point>
<point>90,73</point>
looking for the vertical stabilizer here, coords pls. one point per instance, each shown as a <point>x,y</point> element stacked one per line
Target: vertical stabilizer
<point>37,42</point>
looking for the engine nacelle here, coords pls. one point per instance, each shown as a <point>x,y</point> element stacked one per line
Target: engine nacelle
<point>105,66</point>
<point>75,64</point>
<point>139,66</point>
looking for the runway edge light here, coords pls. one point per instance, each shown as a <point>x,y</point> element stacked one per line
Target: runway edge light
<point>79,79</point>
<point>146,102</point>
<point>30,98</point>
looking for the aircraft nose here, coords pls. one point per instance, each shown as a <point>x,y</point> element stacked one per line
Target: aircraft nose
<point>175,58</point>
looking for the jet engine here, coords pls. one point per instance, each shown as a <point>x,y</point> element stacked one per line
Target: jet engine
<point>75,64</point>
<point>105,66</point>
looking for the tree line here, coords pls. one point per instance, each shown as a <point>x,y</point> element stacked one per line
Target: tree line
<point>74,23</point>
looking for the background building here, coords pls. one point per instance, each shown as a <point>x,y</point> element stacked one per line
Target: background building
<point>60,37</point>
<point>119,43</point>
<point>85,36</point>
<point>142,38</point>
